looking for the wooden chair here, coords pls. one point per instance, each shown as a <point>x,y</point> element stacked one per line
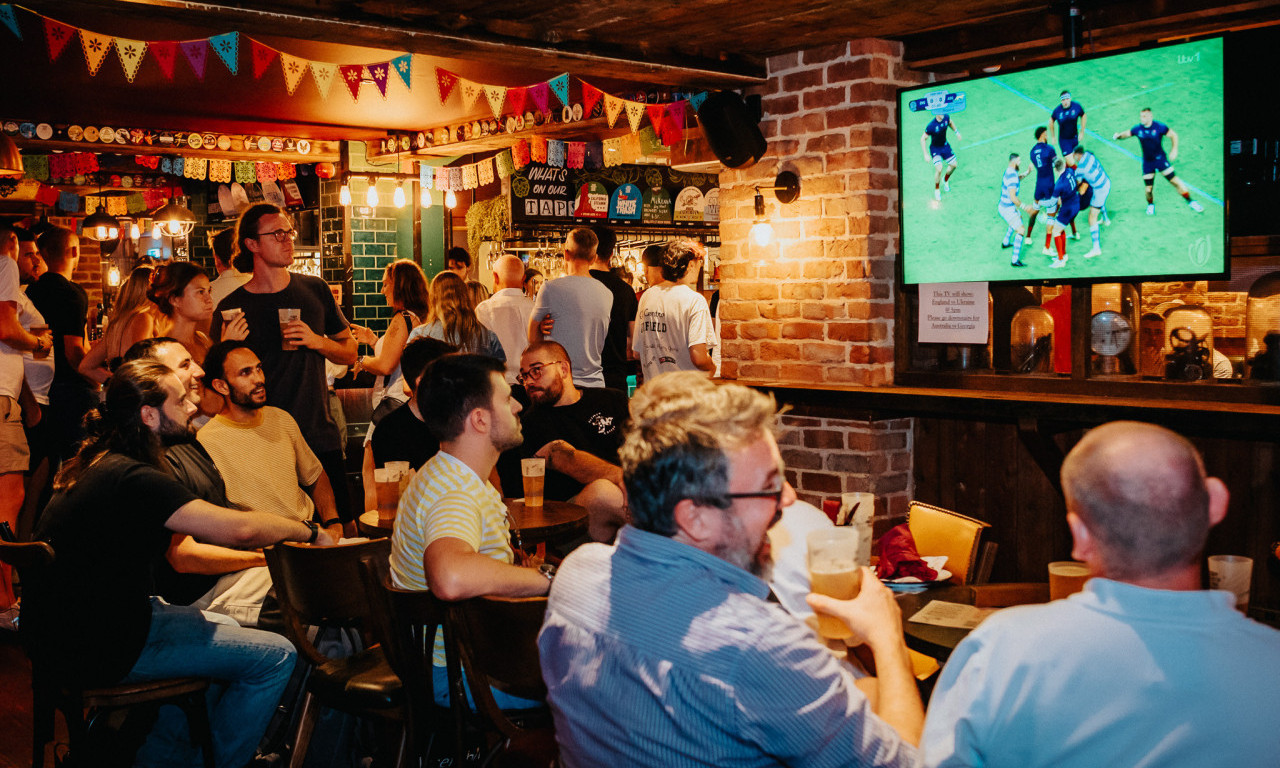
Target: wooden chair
<point>939,531</point>
<point>404,623</point>
<point>496,641</point>
<point>49,694</point>
<point>320,586</point>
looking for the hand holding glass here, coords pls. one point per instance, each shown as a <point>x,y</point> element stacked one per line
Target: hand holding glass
<point>834,571</point>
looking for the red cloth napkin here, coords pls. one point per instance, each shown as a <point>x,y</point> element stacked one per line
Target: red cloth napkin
<point>899,559</point>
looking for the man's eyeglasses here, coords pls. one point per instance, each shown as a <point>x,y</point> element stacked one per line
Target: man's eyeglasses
<point>776,495</point>
<point>534,373</point>
<point>279,234</point>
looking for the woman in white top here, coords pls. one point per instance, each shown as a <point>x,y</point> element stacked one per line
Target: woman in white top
<point>404,286</point>
<point>673,322</point>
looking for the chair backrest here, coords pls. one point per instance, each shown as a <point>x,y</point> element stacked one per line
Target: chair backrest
<point>26,554</point>
<point>939,531</point>
<point>497,640</point>
<point>320,585</point>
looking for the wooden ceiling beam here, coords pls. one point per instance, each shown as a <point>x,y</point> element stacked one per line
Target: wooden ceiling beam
<point>588,59</point>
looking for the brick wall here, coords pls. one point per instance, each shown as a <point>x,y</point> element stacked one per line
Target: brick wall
<point>816,305</point>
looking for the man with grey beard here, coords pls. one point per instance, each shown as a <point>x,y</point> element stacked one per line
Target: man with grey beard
<point>671,632</point>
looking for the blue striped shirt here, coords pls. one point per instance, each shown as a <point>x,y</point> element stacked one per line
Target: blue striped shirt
<point>1089,169</point>
<point>656,653</point>
<point>1009,186</point>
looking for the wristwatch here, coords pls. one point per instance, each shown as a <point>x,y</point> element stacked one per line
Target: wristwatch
<point>548,570</point>
<point>315,530</point>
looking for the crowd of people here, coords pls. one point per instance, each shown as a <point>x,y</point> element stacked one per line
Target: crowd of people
<point>158,525</point>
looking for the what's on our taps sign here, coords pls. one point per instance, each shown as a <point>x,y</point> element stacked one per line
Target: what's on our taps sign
<point>622,194</point>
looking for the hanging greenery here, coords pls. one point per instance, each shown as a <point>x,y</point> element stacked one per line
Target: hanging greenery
<point>487,220</point>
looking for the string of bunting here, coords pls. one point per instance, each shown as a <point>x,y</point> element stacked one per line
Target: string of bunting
<point>225,47</point>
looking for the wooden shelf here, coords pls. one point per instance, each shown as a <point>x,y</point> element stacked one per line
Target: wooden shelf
<point>590,129</point>
<point>321,151</point>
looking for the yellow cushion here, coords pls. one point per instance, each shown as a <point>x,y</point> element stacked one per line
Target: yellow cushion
<point>939,531</point>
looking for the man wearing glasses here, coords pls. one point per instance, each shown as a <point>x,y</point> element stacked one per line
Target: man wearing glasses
<point>293,351</point>
<point>578,432</point>
<point>664,650</point>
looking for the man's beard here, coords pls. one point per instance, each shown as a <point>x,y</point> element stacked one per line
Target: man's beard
<point>737,550</point>
<point>245,400</point>
<point>548,395</point>
<point>173,433</point>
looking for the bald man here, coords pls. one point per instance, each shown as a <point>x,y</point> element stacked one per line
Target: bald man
<point>1141,668</point>
<point>506,313</point>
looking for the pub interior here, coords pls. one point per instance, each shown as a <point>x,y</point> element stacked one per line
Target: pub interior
<point>777,137</point>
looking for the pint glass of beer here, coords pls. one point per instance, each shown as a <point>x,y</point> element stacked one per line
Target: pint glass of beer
<point>288,316</point>
<point>834,571</point>
<point>534,472</point>
<point>1066,577</point>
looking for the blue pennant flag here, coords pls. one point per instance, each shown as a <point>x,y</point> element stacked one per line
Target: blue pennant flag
<point>403,65</point>
<point>227,47</point>
<point>560,86</point>
<point>10,20</point>
<point>696,100</point>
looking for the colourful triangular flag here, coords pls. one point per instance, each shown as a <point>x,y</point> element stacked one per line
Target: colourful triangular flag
<point>516,97</point>
<point>10,20</point>
<point>324,75</point>
<point>470,93</point>
<point>351,76</point>
<point>635,112</point>
<point>696,100</point>
<point>57,35</point>
<point>497,97</point>
<point>676,111</point>
<point>590,97</point>
<point>130,53</point>
<point>227,46</point>
<point>560,87</point>
<point>95,49</point>
<point>262,56</point>
<point>446,81</point>
<point>403,65</point>
<point>164,52</point>
<point>380,73</point>
<point>293,68</point>
<point>197,54</point>
<point>649,143</point>
<point>541,95</point>
<point>612,108</point>
<point>657,117</point>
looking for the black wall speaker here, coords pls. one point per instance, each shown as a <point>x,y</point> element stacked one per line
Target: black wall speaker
<point>731,129</point>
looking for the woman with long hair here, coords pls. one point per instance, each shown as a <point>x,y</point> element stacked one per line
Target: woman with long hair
<point>180,291</point>
<point>452,319</point>
<point>405,289</point>
<point>133,318</point>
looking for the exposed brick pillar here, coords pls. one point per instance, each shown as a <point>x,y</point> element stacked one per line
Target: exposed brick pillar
<point>816,306</point>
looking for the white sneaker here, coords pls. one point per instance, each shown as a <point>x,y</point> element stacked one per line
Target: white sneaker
<point>946,186</point>
<point>937,195</point>
<point>1151,210</point>
<point>1058,263</point>
<point>1075,235</point>
<point>1198,208</point>
<point>1095,252</point>
<point>1050,252</point>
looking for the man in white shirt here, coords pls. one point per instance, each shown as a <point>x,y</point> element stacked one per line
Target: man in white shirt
<point>229,278</point>
<point>507,312</point>
<point>575,309</point>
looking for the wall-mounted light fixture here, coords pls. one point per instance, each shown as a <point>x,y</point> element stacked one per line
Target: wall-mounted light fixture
<point>786,187</point>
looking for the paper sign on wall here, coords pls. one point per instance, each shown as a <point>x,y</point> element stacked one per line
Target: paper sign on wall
<point>953,313</point>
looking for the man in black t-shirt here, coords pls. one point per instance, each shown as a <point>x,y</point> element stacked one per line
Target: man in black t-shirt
<point>89,617</point>
<point>616,355</point>
<point>578,432</point>
<point>64,306</point>
<point>296,379</point>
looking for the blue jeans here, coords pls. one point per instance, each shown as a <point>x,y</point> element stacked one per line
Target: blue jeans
<point>250,667</point>
<point>440,688</point>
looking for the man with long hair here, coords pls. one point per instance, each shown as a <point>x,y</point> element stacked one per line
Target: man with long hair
<point>90,615</point>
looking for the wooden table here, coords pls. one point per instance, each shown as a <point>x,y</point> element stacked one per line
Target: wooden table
<point>553,521</point>
<point>371,526</point>
<point>939,642</point>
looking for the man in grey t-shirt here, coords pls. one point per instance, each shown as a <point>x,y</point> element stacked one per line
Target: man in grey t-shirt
<point>574,310</point>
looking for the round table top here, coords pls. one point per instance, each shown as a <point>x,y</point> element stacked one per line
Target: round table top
<point>553,520</point>
<point>374,527</point>
<point>929,639</point>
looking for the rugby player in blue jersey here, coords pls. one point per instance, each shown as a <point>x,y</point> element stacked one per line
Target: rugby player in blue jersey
<point>1010,209</point>
<point>1042,156</point>
<point>1089,170</point>
<point>1151,135</point>
<point>1067,191</point>
<point>937,151</point>
<point>1065,116</point>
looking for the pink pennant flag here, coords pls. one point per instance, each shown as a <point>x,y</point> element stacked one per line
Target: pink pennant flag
<point>197,54</point>
<point>577,153</point>
<point>590,97</point>
<point>164,52</point>
<point>262,56</point>
<point>379,74</point>
<point>676,113</point>
<point>351,75</point>
<point>58,35</point>
<point>516,98</point>
<point>541,95</point>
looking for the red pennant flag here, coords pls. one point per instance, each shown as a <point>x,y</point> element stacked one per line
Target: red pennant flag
<point>541,95</point>
<point>516,98</point>
<point>351,75</point>
<point>590,97</point>
<point>164,51</point>
<point>58,35</point>
<point>379,74</point>
<point>262,56</point>
<point>657,117</point>
<point>447,81</point>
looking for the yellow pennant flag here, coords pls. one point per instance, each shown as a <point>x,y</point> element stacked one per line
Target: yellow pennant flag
<point>294,68</point>
<point>131,53</point>
<point>95,49</point>
<point>612,152</point>
<point>324,75</point>
<point>470,92</point>
<point>635,113</point>
<point>612,108</point>
<point>497,96</point>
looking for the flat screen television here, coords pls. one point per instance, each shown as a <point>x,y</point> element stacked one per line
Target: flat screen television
<point>954,227</point>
